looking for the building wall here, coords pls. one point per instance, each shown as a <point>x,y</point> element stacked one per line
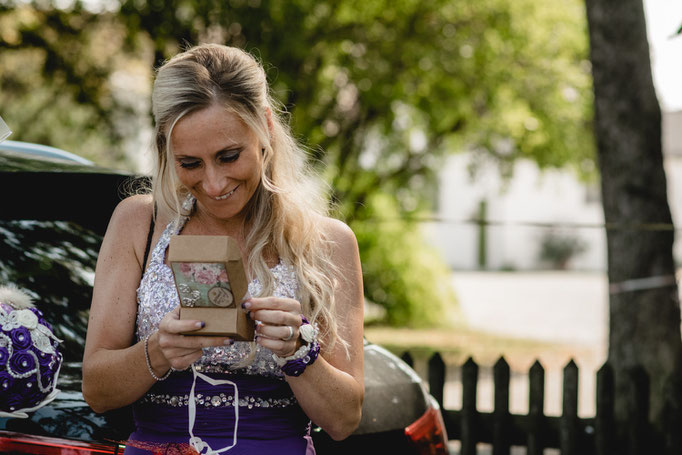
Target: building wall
<point>520,209</point>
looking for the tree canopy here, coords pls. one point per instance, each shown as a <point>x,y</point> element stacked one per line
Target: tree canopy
<point>380,91</point>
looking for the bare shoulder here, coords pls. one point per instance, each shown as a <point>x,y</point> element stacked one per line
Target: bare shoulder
<point>338,232</point>
<point>131,216</point>
<point>133,207</point>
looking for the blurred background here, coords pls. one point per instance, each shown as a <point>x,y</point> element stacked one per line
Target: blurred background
<point>456,137</point>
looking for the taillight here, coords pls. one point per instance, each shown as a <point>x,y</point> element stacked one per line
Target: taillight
<point>17,443</point>
<point>428,433</point>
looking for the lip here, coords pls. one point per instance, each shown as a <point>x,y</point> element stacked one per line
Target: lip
<point>226,195</point>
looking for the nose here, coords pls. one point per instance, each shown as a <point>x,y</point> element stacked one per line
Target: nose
<point>213,183</point>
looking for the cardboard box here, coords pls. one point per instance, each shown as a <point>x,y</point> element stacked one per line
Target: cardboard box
<point>211,283</point>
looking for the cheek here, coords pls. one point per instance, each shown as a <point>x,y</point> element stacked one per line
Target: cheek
<point>188,179</point>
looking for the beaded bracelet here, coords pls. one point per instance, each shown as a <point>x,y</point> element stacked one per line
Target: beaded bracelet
<point>296,367</point>
<point>295,364</point>
<point>149,364</point>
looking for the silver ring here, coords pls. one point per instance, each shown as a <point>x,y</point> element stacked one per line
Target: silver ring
<point>291,333</point>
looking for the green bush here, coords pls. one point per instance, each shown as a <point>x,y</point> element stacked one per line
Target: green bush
<point>401,272</point>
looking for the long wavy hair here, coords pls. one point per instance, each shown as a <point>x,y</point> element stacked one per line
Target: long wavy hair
<point>283,216</point>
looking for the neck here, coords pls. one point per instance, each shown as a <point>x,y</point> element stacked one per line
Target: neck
<point>203,223</point>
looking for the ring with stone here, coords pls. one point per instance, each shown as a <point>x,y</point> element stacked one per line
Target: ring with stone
<point>291,333</point>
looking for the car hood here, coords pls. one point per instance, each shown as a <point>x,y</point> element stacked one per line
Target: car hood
<point>394,394</point>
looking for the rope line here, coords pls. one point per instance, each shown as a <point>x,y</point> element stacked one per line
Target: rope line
<point>651,227</point>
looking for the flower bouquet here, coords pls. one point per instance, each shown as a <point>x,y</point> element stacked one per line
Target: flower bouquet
<point>29,359</point>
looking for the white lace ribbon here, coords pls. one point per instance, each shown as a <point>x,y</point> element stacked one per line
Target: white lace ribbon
<point>196,442</point>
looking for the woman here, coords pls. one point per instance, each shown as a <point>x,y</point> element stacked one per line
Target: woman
<point>226,164</point>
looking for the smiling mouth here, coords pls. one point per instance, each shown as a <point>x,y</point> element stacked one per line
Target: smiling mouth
<point>225,196</point>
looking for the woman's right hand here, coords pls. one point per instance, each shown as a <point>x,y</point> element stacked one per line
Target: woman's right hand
<point>181,351</point>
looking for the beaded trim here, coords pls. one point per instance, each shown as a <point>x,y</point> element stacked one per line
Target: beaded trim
<point>221,400</point>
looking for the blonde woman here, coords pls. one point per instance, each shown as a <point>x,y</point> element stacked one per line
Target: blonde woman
<point>226,164</point>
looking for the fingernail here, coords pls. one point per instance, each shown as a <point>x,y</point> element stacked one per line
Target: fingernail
<point>229,342</point>
<point>246,305</point>
<point>200,324</point>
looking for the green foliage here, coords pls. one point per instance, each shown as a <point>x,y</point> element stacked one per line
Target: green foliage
<point>401,273</point>
<point>54,86</point>
<point>380,90</point>
<point>557,249</point>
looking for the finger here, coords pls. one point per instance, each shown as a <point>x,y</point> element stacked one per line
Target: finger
<point>277,346</point>
<point>183,362</point>
<point>281,332</point>
<point>178,326</point>
<point>272,303</point>
<point>171,322</point>
<point>170,342</point>
<point>276,317</point>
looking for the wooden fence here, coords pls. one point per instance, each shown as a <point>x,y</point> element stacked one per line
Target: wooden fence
<point>569,433</point>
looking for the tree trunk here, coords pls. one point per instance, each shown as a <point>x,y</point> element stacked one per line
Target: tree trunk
<point>644,326</point>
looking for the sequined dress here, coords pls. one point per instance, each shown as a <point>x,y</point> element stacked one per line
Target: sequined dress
<point>268,417</point>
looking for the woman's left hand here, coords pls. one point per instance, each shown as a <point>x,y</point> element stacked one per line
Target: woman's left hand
<point>277,323</point>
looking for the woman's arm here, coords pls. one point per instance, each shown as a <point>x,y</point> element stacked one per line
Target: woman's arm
<point>115,372</point>
<point>331,390</point>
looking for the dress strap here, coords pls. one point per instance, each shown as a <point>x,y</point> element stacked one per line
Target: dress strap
<point>149,240</point>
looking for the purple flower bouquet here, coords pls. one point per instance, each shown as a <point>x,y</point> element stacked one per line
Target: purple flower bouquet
<point>29,359</point>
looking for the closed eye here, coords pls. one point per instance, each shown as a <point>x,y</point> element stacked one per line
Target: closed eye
<point>189,164</point>
<point>229,157</point>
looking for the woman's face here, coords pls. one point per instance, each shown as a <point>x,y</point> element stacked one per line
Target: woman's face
<point>218,158</point>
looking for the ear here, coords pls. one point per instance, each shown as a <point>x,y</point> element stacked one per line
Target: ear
<point>268,119</point>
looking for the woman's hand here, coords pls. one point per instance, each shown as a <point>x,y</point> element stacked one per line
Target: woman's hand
<point>277,323</point>
<point>181,351</point>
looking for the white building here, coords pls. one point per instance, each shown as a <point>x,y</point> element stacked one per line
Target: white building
<point>531,208</point>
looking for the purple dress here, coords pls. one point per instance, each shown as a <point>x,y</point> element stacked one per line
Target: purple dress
<point>251,410</point>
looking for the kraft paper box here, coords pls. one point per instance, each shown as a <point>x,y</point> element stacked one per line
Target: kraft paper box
<point>211,283</point>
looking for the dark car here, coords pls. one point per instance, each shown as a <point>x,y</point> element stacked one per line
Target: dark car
<point>54,213</point>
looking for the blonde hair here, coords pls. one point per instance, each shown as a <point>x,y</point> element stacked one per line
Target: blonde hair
<point>284,213</point>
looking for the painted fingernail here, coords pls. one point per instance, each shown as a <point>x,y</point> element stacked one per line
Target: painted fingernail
<point>200,324</point>
<point>246,305</point>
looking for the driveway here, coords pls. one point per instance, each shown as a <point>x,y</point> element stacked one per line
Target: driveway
<point>567,307</point>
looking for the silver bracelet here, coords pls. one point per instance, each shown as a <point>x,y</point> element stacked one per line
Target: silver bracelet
<point>149,364</point>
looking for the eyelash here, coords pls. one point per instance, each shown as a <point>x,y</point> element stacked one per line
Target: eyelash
<point>230,158</point>
<point>223,159</point>
<point>191,165</point>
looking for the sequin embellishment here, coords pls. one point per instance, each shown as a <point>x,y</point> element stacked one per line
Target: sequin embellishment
<point>214,401</point>
<point>156,296</point>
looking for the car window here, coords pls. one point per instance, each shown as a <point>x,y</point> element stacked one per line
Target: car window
<point>54,262</point>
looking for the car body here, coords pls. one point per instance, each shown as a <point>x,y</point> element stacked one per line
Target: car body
<point>55,212</point>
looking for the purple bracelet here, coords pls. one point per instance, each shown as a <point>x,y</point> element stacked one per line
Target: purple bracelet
<point>298,366</point>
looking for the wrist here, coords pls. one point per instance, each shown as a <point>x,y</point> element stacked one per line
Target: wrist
<point>307,350</point>
<point>152,353</point>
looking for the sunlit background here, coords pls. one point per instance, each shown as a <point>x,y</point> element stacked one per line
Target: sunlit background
<point>456,138</point>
